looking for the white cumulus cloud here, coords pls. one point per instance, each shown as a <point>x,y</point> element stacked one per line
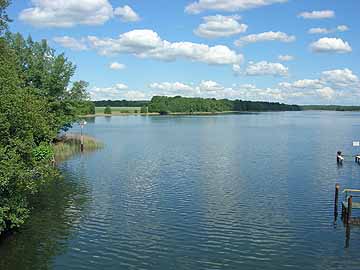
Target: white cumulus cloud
<point>220,26</point>
<point>172,86</point>
<point>266,68</point>
<point>319,30</point>
<point>340,78</point>
<point>146,43</point>
<point>117,66</point>
<point>286,58</point>
<point>317,14</point>
<point>342,28</point>
<point>302,84</point>
<point>71,43</point>
<point>341,85</point>
<point>326,92</point>
<point>118,91</point>
<point>265,36</point>
<point>60,13</point>
<point>69,13</point>
<point>206,88</point>
<point>227,5</point>
<point>331,45</point>
<point>210,86</point>
<point>126,14</point>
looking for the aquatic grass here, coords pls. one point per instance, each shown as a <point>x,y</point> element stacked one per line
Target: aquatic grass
<point>69,145</point>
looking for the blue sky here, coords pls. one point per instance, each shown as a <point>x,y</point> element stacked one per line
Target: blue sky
<point>208,48</point>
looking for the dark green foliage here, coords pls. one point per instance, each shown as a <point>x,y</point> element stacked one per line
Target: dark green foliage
<point>43,152</point>
<point>78,91</point>
<point>107,110</point>
<point>330,108</point>
<point>120,103</point>
<point>35,104</point>
<point>4,19</point>
<point>85,107</point>
<point>166,105</point>
<point>144,109</point>
<point>260,106</point>
<point>24,124</point>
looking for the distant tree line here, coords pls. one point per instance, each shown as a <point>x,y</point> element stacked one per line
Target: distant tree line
<point>181,104</point>
<point>37,101</point>
<point>330,108</point>
<point>178,104</point>
<point>120,103</point>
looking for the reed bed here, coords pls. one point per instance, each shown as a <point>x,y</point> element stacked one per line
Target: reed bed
<point>69,144</point>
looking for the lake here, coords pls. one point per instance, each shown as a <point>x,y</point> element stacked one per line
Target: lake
<point>243,191</point>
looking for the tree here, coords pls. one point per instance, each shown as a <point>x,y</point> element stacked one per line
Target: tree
<point>144,109</point>
<point>35,105</point>
<point>24,124</point>
<point>4,19</point>
<point>107,110</point>
<point>78,91</point>
<point>164,105</point>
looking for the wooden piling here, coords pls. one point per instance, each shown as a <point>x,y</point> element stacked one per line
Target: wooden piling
<point>82,143</point>
<point>347,236</point>
<point>349,210</point>
<point>336,201</point>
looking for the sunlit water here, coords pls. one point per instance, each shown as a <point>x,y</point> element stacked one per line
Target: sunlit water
<point>246,191</point>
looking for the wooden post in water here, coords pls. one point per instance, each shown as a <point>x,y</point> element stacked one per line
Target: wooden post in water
<point>336,201</point>
<point>82,124</point>
<point>347,236</point>
<point>349,210</point>
<point>82,143</point>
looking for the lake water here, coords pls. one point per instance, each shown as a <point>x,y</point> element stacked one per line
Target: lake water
<point>245,191</point>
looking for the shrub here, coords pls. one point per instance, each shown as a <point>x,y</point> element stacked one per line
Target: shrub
<point>144,109</point>
<point>107,110</point>
<point>43,152</point>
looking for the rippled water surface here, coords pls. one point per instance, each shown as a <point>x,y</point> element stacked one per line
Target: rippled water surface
<point>247,191</point>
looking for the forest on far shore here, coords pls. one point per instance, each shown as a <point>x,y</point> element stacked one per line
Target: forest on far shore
<point>178,104</point>
<point>163,104</point>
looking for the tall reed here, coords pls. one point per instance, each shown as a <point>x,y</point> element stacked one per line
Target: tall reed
<point>69,144</point>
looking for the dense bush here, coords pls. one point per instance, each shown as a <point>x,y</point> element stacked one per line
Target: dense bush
<point>43,152</point>
<point>107,110</point>
<point>36,102</point>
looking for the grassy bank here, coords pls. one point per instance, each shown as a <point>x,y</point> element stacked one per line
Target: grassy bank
<point>69,144</point>
<point>119,110</point>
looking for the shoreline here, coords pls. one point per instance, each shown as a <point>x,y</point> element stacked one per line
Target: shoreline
<point>196,113</point>
<point>173,113</point>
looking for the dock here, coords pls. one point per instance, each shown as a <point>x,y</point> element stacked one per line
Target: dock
<point>351,200</point>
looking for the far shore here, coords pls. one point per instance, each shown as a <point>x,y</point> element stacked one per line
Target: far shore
<point>170,113</point>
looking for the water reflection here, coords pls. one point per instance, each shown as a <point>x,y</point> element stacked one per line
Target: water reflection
<point>57,212</point>
<point>202,192</point>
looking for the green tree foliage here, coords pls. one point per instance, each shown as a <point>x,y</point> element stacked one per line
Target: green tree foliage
<point>165,105</point>
<point>107,110</point>
<point>4,19</point>
<point>144,109</point>
<point>330,108</point>
<point>80,98</point>
<point>37,100</point>
<point>24,124</point>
